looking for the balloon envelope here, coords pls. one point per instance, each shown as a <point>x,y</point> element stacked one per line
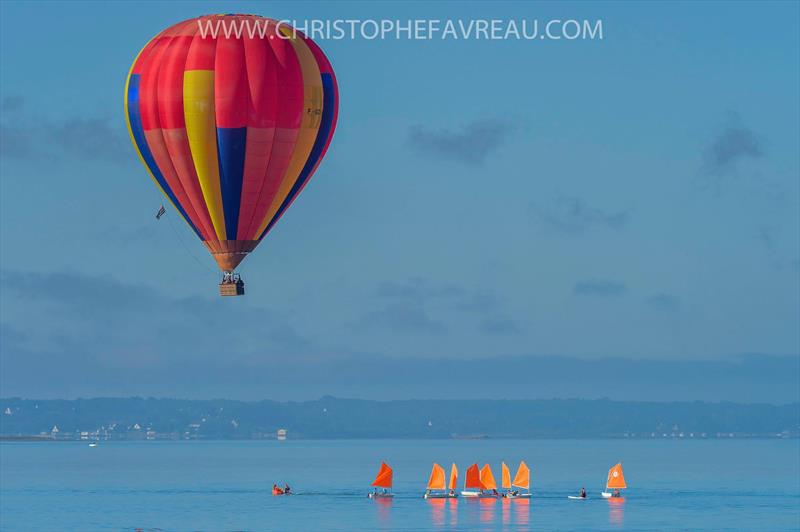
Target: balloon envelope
<point>231,115</point>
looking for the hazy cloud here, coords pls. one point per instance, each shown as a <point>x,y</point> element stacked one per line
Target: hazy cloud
<point>99,316</point>
<point>92,138</point>
<point>12,103</point>
<point>402,318</point>
<point>118,339</point>
<point>87,139</point>
<point>755,378</point>
<point>423,291</point>
<point>477,302</point>
<point>418,289</point>
<point>734,143</point>
<point>663,302</point>
<point>14,142</point>
<point>768,236</point>
<point>412,303</point>
<point>572,215</point>
<point>499,326</point>
<point>470,144</point>
<point>600,288</point>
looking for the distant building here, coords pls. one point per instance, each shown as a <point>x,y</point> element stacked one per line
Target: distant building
<point>54,432</point>
<point>281,434</point>
<point>7,411</point>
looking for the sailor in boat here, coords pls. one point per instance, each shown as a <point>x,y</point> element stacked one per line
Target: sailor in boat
<point>383,480</point>
<point>286,489</point>
<point>616,493</point>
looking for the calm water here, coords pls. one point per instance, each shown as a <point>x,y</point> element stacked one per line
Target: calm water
<point>226,485</point>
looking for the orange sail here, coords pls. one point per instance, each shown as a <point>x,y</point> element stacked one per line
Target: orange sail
<point>384,478</point>
<point>615,478</point>
<point>487,478</point>
<point>523,477</point>
<point>436,481</point>
<point>506,477</point>
<point>453,477</point>
<point>473,478</point>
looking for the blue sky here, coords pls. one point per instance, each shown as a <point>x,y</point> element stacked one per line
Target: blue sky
<point>629,201</point>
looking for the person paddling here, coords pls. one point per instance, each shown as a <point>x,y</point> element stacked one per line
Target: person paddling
<point>583,493</point>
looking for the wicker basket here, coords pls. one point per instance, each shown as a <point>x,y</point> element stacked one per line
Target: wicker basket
<point>231,289</point>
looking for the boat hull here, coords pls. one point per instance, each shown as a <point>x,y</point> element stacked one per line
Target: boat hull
<point>478,495</point>
<point>437,496</point>
<point>380,495</point>
<point>518,496</point>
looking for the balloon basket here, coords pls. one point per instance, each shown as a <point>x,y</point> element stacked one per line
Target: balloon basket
<point>231,285</point>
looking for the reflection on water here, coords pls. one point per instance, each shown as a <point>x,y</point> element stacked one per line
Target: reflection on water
<point>437,511</point>
<point>616,510</point>
<point>384,506</point>
<point>506,504</point>
<point>487,507</point>
<point>453,508</point>
<point>521,511</point>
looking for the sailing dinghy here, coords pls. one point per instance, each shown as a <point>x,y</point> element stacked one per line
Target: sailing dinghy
<point>505,479</point>
<point>521,480</point>
<point>436,485</point>
<point>472,482</point>
<point>487,479</point>
<point>616,482</point>
<point>383,481</point>
<point>453,484</point>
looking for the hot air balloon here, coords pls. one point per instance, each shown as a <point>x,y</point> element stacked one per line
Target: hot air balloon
<point>231,115</point>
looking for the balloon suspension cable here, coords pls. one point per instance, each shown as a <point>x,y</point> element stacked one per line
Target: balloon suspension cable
<point>186,247</point>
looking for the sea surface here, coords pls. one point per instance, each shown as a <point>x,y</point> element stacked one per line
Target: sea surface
<point>225,485</point>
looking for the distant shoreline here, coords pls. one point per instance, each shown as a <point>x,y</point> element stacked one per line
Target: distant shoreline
<point>131,419</point>
<point>47,439</point>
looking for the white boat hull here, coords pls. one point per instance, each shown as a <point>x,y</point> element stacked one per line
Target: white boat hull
<point>380,495</point>
<point>518,496</point>
<point>436,496</point>
<point>607,495</point>
<point>479,495</point>
<point>576,497</point>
